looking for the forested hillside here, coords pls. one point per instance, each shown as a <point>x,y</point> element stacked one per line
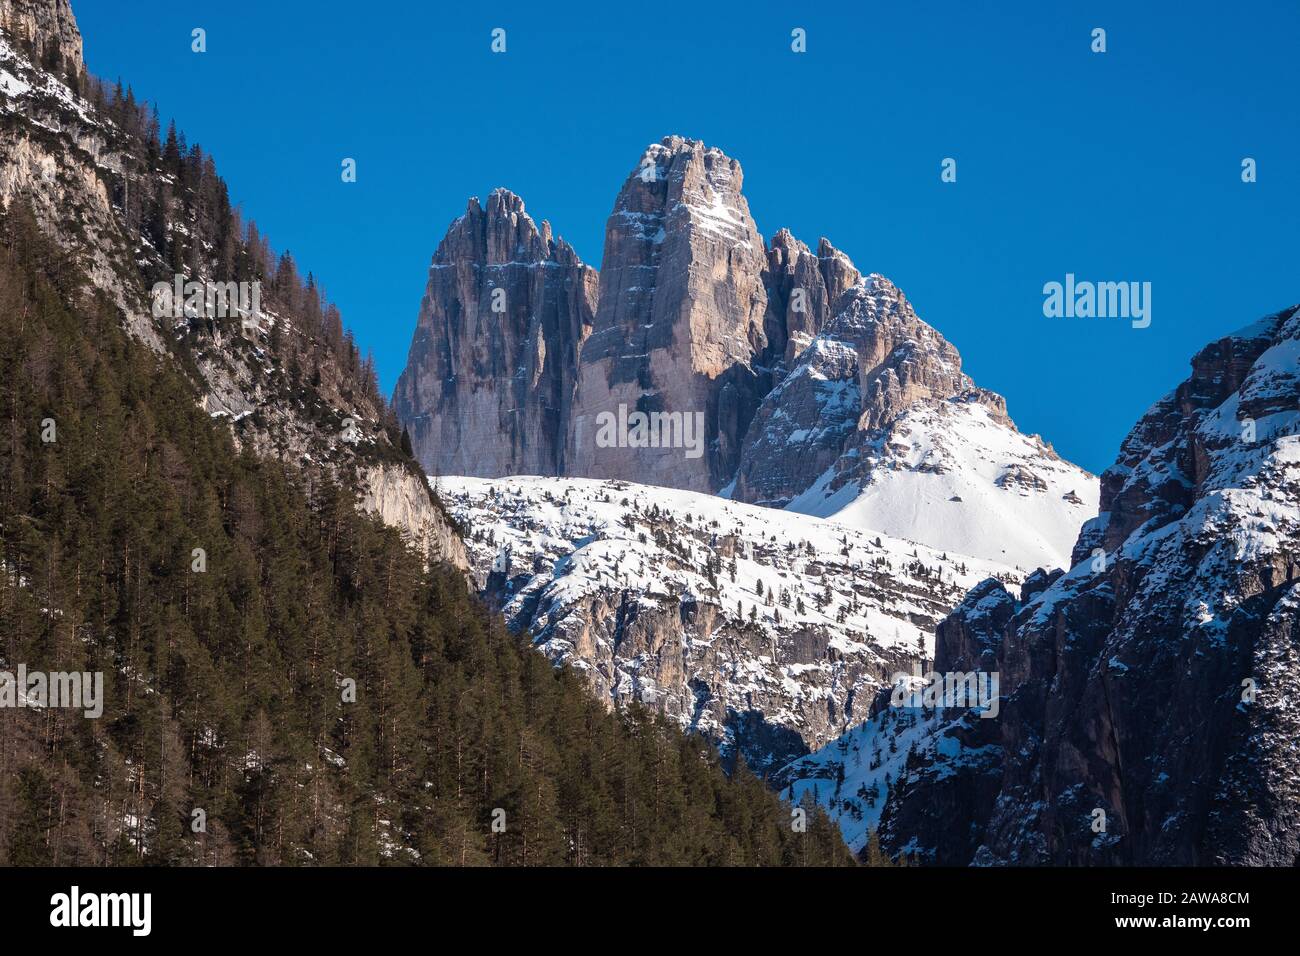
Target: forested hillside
<point>139,210</point>
<point>228,674</point>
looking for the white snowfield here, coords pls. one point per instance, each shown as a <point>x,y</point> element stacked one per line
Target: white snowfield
<point>956,479</point>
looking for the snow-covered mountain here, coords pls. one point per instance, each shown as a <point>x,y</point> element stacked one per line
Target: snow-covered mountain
<point>820,394</point>
<point>816,388</point>
<point>877,426</point>
<point>766,630</point>
<point>1147,695</point>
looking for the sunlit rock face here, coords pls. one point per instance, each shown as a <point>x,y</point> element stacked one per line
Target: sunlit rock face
<point>489,380</point>
<point>680,319</point>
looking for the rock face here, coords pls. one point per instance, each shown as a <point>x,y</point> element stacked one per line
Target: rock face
<point>692,316</point>
<point>1149,695</point>
<point>680,318</point>
<point>877,425</point>
<point>400,497</point>
<point>488,385</point>
<point>48,30</point>
<point>802,289</point>
<point>74,168</point>
<point>767,631</point>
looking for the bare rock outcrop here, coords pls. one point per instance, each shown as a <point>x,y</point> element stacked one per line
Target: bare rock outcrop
<point>489,382</point>
<point>48,30</point>
<point>679,321</point>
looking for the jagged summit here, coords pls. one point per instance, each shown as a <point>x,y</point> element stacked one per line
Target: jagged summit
<point>499,233</point>
<point>878,426</point>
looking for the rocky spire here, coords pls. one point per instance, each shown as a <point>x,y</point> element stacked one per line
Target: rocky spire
<point>802,289</point>
<point>680,318</point>
<point>489,378</point>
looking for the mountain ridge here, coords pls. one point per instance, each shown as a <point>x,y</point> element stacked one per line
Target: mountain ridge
<point>766,631</point>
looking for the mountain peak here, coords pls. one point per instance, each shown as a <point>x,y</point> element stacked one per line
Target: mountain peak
<point>502,201</point>
<point>488,380</point>
<point>674,144</point>
<point>877,425</point>
<point>499,233</point>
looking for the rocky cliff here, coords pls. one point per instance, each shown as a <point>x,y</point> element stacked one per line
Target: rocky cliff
<point>489,381</point>
<point>47,31</point>
<point>61,158</point>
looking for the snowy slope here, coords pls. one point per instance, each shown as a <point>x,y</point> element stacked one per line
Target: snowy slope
<point>1156,680</point>
<point>851,777</point>
<point>877,426</point>
<point>767,630</point>
<point>956,478</point>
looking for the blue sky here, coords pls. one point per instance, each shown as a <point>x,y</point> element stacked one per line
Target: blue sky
<point>1117,166</point>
